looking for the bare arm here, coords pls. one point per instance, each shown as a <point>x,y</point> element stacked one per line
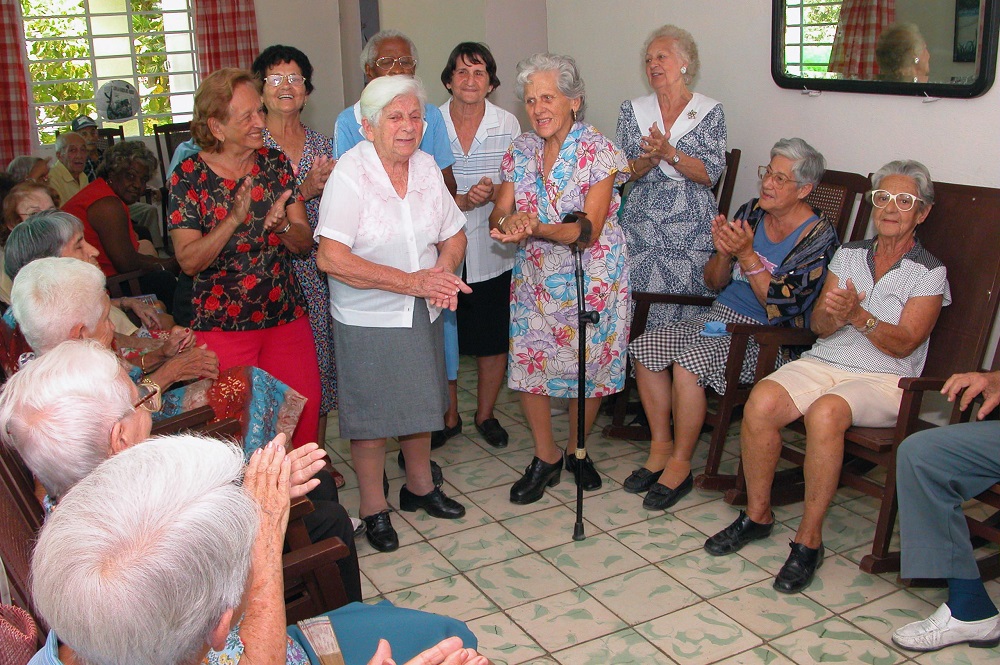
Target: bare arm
<point>298,236</point>
<point>110,222</point>
<point>519,225</point>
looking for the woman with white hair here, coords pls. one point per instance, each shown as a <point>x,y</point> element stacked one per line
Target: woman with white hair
<point>29,168</point>
<point>769,264</point>
<point>675,141</point>
<point>390,238</point>
<point>565,165</point>
<point>902,55</point>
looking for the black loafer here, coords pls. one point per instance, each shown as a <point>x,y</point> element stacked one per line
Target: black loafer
<point>436,474</point>
<point>379,531</point>
<point>440,437</point>
<point>536,478</point>
<point>736,535</point>
<point>661,497</point>
<point>799,569</point>
<point>493,432</point>
<point>589,478</point>
<point>641,480</point>
<point>435,503</point>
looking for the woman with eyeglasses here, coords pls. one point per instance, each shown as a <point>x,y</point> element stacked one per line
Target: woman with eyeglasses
<point>874,318</point>
<point>287,76</point>
<point>237,220</point>
<point>769,264</point>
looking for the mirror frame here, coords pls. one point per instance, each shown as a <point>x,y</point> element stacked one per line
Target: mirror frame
<point>982,83</point>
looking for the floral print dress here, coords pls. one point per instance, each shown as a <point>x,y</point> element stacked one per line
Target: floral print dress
<point>543,321</point>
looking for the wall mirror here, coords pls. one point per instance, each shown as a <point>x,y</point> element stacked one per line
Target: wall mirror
<point>937,48</point>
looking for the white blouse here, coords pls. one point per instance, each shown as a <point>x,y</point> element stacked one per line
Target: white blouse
<point>360,208</point>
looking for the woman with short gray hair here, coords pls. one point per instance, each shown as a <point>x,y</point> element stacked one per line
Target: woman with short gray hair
<point>563,166</point>
<point>29,168</point>
<point>390,238</point>
<point>675,141</point>
<point>769,264</point>
<point>902,55</point>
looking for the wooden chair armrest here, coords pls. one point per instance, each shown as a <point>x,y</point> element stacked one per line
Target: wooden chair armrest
<point>305,560</point>
<point>300,507</point>
<point>921,383</point>
<point>194,419</point>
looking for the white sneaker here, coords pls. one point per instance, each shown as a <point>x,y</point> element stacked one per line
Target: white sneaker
<point>941,629</point>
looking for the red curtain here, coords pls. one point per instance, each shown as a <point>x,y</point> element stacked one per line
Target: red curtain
<point>861,22</point>
<point>225,34</point>
<point>15,139</point>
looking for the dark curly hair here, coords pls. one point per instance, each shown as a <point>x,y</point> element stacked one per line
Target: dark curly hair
<point>122,155</point>
<point>279,53</point>
<point>474,52</point>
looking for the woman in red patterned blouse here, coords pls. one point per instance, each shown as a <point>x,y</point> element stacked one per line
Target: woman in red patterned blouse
<point>236,221</point>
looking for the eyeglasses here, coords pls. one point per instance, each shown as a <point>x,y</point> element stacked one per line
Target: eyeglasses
<point>274,80</point>
<point>904,201</point>
<point>404,62</point>
<point>149,398</point>
<point>779,179</point>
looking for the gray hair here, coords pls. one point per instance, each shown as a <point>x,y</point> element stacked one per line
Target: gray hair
<point>684,46</point>
<point>58,411</point>
<point>371,48</point>
<point>567,77</point>
<point>50,296</point>
<point>20,167</point>
<point>913,170</point>
<point>808,165</point>
<point>143,557</point>
<point>382,91</point>
<point>42,235</point>
<point>896,48</point>
<point>63,139</point>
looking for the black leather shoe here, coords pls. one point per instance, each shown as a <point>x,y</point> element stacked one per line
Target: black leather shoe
<point>661,497</point>
<point>736,535</point>
<point>493,432</point>
<point>379,531</point>
<point>799,569</point>
<point>440,437</point>
<point>435,503</point>
<point>641,480</point>
<point>385,485</point>
<point>436,474</point>
<point>536,478</point>
<point>589,478</point>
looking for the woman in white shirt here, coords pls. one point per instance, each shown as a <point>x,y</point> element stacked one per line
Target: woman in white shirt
<point>480,134</point>
<point>390,238</point>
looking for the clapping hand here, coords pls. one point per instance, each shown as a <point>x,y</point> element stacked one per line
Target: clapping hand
<point>733,238</point>
<point>439,286</point>
<point>275,219</point>
<point>481,193</point>
<point>446,652</point>
<point>241,201</point>
<point>843,304</point>
<point>315,181</point>
<point>655,145</point>
<point>516,227</point>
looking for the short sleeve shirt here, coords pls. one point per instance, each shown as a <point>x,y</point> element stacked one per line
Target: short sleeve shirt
<point>917,274</point>
<point>251,284</point>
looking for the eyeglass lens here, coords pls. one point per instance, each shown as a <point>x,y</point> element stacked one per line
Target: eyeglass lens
<point>904,201</point>
<point>293,79</point>
<point>387,63</point>
<point>779,178</point>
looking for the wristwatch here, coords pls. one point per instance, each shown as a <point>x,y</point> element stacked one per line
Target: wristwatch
<point>870,326</point>
<point>676,158</point>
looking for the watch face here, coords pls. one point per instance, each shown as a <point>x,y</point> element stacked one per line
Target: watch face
<point>676,158</point>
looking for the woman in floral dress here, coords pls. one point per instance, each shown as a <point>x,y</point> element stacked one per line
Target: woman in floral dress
<point>565,165</point>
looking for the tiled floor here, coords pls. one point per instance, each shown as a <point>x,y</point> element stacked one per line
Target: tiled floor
<point>639,588</point>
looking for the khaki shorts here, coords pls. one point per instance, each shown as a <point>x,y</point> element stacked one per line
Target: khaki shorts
<point>874,397</point>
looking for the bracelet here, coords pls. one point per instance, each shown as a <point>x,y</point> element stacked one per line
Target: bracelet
<point>757,262</point>
<point>142,364</point>
<point>755,272</point>
<point>285,230</point>
<point>500,223</point>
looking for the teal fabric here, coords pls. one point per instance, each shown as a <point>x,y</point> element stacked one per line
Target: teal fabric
<point>359,627</point>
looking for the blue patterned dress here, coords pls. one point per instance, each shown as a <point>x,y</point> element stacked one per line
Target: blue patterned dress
<point>668,223</point>
<point>311,281</point>
<point>543,308</point>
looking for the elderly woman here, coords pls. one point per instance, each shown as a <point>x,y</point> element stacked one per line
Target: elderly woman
<point>22,201</point>
<point>675,141</point>
<point>29,168</point>
<point>287,76</point>
<point>236,224</point>
<point>390,237</point>
<point>874,318</point>
<point>480,134</point>
<point>564,165</point>
<point>769,263</point>
<point>191,501</point>
<point>902,55</point>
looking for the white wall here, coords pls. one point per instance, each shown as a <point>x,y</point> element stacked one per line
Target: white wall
<point>958,140</point>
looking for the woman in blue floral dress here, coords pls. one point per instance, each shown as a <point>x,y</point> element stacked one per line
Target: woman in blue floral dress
<point>565,165</point>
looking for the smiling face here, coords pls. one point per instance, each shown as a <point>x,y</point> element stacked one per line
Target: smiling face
<point>286,98</point>
<point>470,82</point>
<point>550,111</point>
<point>890,221</point>
<point>73,154</point>
<point>399,130</point>
<point>663,64</point>
<point>78,248</point>
<point>242,130</point>
<point>129,183</point>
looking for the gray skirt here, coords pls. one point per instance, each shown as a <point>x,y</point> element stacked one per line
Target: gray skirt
<point>391,381</point>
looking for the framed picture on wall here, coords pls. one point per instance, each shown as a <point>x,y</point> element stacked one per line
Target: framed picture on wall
<point>966,30</point>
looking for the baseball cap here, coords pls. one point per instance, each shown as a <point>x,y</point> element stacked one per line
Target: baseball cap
<point>82,121</point>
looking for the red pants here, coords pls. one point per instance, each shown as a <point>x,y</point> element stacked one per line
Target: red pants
<point>286,352</point>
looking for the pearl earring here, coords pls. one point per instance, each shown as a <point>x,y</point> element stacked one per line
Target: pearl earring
<point>684,70</point>
<point>916,61</point>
